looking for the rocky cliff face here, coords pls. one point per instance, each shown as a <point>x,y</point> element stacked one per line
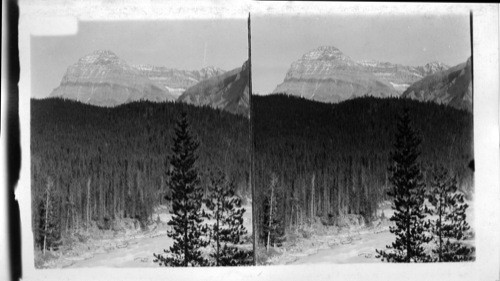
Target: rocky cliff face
<point>326,74</point>
<point>452,87</point>
<point>102,78</point>
<point>177,81</point>
<point>227,91</point>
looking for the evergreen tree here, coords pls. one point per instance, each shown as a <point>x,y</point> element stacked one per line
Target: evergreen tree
<point>96,151</point>
<point>227,230</point>
<point>186,196</point>
<point>448,226</point>
<point>408,192</point>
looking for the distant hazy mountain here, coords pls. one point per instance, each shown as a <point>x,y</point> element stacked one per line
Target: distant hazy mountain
<point>177,81</point>
<point>102,78</point>
<point>401,76</point>
<point>452,87</point>
<point>228,91</point>
<point>326,74</point>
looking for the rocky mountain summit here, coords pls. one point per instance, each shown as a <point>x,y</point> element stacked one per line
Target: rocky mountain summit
<point>326,74</point>
<point>102,78</point>
<point>227,91</point>
<point>452,87</point>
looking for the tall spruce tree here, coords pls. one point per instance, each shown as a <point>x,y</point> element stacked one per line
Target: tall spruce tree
<point>448,224</point>
<point>408,193</point>
<point>186,195</point>
<point>228,230</point>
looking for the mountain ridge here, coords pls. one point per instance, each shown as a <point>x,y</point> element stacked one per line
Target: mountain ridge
<point>452,87</point>
<point>177,80</point>
<point>333,76</point>
<point>102,78</point>
<point>228,91</point>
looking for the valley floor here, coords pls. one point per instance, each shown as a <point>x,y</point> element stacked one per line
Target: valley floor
<point>123,249</point>
<point>333,245</point>
<point>136,253</point>
<point>359,249</point>
<point>354,244</point>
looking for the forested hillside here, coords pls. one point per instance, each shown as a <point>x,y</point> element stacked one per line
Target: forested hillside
<point>330,160</point>
<point>94,165</point>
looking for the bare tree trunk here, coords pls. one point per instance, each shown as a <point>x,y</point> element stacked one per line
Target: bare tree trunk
<point>440,228</point>
<point>408,230</point>
<point>115,202</point>
<point>300,217</point>
<point>76,219</point>
<point>217,217</point>
<point>122,197</point>
<point>270,216</point>
<point>326,199</point>
<point>88,205</point>
<point>67,218</point>
<point>255,229</point>
<point>100,207</point>
<point>49,183</point>
<point>312,196</point>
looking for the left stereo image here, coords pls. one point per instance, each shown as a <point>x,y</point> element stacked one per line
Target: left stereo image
<point>140,145</point>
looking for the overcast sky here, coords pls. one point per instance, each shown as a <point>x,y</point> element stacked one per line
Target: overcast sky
<point>188,45</point>
<point>277,41</point>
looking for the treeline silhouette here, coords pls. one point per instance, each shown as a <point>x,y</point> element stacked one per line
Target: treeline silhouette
<point>92,165</point>
<point>330,160</point>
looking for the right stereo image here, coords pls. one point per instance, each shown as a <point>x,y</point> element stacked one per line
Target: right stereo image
<point>362,133</point>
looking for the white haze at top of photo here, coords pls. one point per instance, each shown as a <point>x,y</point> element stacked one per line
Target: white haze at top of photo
<point>414,40</point>
<point>180,44</point>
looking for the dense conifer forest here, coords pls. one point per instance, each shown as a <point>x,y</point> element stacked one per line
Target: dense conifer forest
<point>326,161</point>
<point>92,165</point>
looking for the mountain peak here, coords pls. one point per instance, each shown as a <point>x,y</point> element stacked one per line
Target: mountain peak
<point>102,78</point>
<point>435,66</point>
<point>210,68</point>
<point>104,52</point>
<point>328,75</point>
<point>325,53</point>
<point>435,63</point>
<point>327,49</point>
<point>210,71</point>
<point>432,67</point>
<point>100,57</point>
